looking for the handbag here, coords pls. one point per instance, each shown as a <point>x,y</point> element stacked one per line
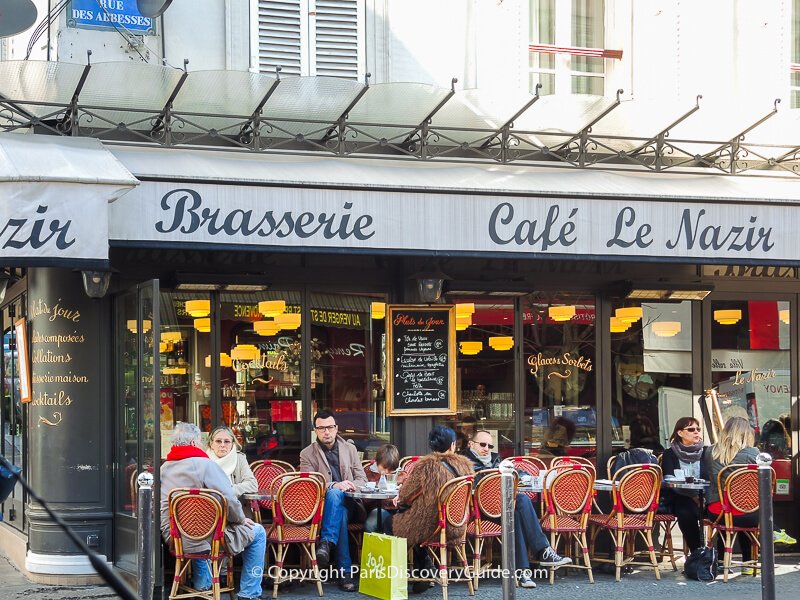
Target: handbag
<point>701,565</point>
<point>7,479</point>
<point>383,567</point>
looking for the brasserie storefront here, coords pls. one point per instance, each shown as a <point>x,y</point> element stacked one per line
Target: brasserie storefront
<point>252,290</point>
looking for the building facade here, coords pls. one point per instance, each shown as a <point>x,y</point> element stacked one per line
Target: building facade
<point>622,258</point>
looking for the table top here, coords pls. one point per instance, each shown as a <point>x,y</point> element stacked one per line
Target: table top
<point>682,484</point>
<point>372,495</point>
<point>599,485</point>
<point>259,495</point>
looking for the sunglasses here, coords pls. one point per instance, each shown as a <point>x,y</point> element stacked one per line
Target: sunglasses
<point>692,429</point>
<point>484,444</point>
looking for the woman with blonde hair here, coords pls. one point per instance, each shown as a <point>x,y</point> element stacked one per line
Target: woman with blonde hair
<point>735,447</point>
<point>224,450</point>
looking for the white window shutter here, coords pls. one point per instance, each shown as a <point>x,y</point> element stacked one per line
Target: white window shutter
<point>283,36</point>
<point>336,36</point>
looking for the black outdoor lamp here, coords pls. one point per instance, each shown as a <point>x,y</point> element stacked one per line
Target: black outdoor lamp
<point>429,283</point>
<point>95,283</point>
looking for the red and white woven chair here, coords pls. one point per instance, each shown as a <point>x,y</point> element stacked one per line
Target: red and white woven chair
<point>407,464</point>
<point>573,460</point>
<point>635,501</point>
<point>738,492</point>
<point>567,505</point>
<point>265,472</point>
<point>454,501</point>
<point>487,509</point>
<point>197,516</point>
<point>532,466</point>
<point>296,519</point>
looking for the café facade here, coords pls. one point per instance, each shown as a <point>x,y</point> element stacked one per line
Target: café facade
<point>251,281</point>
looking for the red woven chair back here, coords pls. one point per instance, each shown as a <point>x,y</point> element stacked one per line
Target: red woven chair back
<point>638,488</point>
<point>738,487</point>
<point>265,472</point>
<point>570,491</point>
<point>528,464</point>
<point>573,460</point>
<point>407,463</point>
<point>487,499</point>
<point>196,514</point>
<point>366,463</point>
<point>455,498</point>
<point>299,499</point>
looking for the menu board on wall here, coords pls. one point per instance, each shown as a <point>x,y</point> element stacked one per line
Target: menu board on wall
<point>421,374</point>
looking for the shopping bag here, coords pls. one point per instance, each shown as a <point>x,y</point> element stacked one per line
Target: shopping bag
<point>7,480</point>
<point>384,559</point>
<point>701,564</point>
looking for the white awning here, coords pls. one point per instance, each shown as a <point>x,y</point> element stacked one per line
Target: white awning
<point>54,195</point>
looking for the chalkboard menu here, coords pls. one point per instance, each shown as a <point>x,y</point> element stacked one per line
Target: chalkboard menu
<point>421,352</point>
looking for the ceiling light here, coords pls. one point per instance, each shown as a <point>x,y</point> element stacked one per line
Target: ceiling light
<point>203,325</point>
<point>288,320</point>
<point>146,325</point>
<point>246,352</point>
<point>272,308</point>
<point>728,316</point>
<point>783,315</point>
<point>629,314</point>
<point>378,310</point>
<point>465,308</point>
<point>501,342</point>
<point>173,371</point>
<point>668,291</point>
<point>617,325</point>
<point>266,327</point>
<point>666,328</point>
<point>463,321</point>
<point>470,347</point>
<point>198,308</point>
<point>172,337</point>
<point>561,313</point>
<point>224,360</point>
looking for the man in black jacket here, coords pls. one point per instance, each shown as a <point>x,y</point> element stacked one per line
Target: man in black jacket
<point>528,532</point>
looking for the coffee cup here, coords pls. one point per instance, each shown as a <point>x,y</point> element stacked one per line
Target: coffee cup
<point>689,479</point>
<point>679,473</point>
<point>369,486</point>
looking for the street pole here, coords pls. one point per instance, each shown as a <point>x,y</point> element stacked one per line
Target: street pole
<point>145,534</point>
<point>764,462</point>
<point>509,579</point>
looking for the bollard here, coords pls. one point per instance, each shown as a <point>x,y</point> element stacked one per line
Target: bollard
<point>764,461</point>
<point>509,578</point>
<point>144,536</point>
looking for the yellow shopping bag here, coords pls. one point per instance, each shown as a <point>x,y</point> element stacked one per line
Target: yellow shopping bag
<point>383,567</point>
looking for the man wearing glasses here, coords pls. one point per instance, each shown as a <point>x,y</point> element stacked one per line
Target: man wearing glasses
<point>338,461</point>
<point>528,532</point>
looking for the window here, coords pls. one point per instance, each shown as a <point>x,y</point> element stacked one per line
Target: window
<point>567,38</point>
<point>309,37</point>
<point>795,66</point>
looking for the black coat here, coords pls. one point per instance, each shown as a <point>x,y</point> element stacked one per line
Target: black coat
<point>476,462</point>
<point>670,462</point>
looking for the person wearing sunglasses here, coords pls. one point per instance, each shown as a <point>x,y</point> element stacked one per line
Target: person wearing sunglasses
<point>685,454</point>
<point>528,533</point>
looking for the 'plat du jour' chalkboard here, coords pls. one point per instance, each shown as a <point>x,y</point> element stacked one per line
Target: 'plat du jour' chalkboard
<point>421,353</point>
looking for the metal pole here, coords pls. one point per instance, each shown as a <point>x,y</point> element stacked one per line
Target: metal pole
<point>508,579</point>
<point>144,536</point>
<point>764,461</point>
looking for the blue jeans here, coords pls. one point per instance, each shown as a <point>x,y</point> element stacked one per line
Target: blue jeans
<point>528,534</point>
<point>252,567</point>
<point>371,524</point>
<point>334,525</point>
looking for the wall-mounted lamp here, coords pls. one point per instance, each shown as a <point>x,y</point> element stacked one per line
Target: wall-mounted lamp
<point>95,283</point>
<point>429,284</point>
<point>378,310</point>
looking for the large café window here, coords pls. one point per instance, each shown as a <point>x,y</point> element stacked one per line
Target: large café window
<point>751,374</point>
<point>651,372</point>
<point>560,355</point>
<point>485,372</point>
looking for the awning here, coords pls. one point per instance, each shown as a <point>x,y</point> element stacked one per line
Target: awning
<point>54,195</point>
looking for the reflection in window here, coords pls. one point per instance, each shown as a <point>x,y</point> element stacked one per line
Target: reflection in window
<point>559,354</point>
<point>485,373</point>
<point>651,350</point>
<point>750,368</point>
<point>795,67</point>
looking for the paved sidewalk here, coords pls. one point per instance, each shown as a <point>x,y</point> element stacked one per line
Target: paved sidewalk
<point>639,585</point>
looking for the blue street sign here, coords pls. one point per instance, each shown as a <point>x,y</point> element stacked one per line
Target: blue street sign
<point>110,14</point>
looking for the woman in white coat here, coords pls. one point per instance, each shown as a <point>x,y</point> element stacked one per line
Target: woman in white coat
<point>225,451</point>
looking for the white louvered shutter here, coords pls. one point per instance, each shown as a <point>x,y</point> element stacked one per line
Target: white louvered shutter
<point>309,37</point>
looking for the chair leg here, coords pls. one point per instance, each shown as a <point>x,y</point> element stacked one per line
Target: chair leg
<point>618,550</point>
<point>278,579</point>
<point>176,580</point>
<point>476,560</point>
<point>586,560</point>
<point>312,550</point>
<point>229,578</point>
<point>726,563</point>
<point>670,546</point>
<point>554,546</point>
<point>648,534</point>
<point>461,551</point>
<point>443,571</point>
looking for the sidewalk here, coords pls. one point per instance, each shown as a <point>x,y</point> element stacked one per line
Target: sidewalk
<point>641,584</point>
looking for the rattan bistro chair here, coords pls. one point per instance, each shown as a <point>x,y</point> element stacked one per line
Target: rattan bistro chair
<point>738,492</point>
<point>265,472</point>
<point>197,517</point>
<point>635,501</point>
<point>454,500</point>
<point>296,519</point>
<point>407,464</point>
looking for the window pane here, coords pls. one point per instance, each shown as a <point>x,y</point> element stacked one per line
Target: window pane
<point>548,81</point>
<point>651,362</point>
<point>542,60</point>
<point>588,85</point>
<point>543,22</point>
<point>485,398</point>
<point>750,368</point>
<point>559,352</point>
<point>129,418</point>
<point>587,64</point>
<point>588,23</point>
<point>347,367</point>
<point>796,31</point>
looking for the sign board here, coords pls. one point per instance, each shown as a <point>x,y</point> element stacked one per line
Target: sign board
<point>421,353</point>
<point>21,332</point>
<point>110,14</point>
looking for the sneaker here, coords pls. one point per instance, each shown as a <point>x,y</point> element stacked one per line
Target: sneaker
<point>550,558</point>
<point>525,580</point>
<point>748,571</point>
<point>781,537</point>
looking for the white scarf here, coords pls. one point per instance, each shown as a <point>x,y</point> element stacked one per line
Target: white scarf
<point>227,463</point>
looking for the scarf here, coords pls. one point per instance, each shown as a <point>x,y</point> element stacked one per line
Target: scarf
<point>181,452</point>
<point>688,454</point>
<point>485,460</point>
<point>227,463</point>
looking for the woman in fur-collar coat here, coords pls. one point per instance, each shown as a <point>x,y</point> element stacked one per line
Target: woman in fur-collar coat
<point>420,493</point>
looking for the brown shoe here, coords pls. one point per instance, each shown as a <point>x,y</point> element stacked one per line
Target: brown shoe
<point>346,584</point>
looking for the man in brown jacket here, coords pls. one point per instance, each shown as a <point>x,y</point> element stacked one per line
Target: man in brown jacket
<point>338,461</point>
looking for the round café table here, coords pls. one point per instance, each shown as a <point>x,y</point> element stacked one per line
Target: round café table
<point>373,494</point>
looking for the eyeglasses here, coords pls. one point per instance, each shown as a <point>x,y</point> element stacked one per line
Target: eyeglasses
<point>692,429</point>
<point>224,442</point>
<point>325,427</point>
<point>484,444</point>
